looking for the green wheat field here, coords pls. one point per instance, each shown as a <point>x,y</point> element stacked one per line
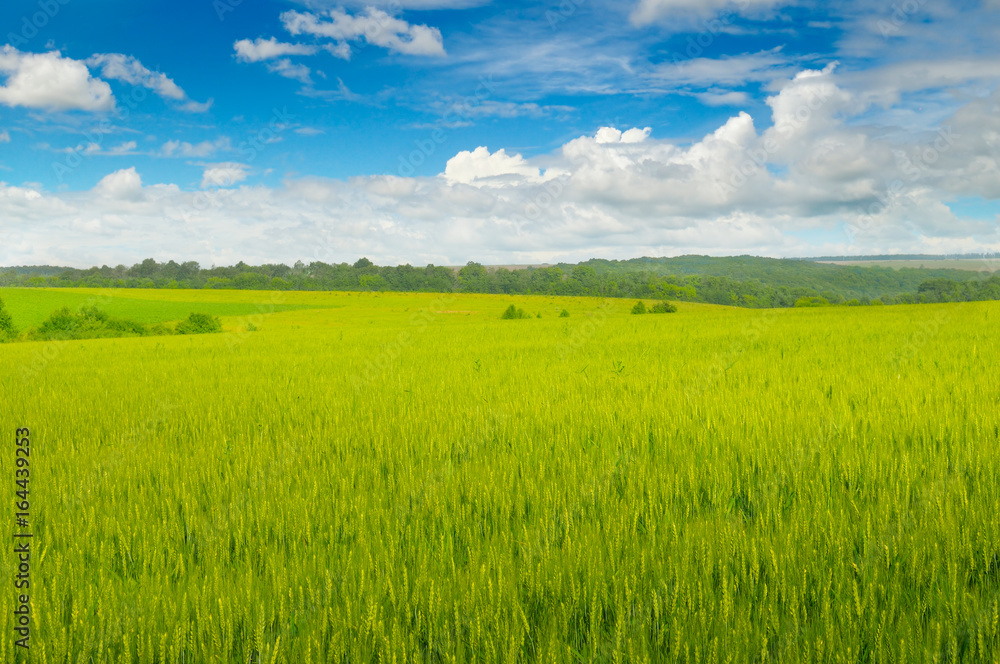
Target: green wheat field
<point>408,478</point>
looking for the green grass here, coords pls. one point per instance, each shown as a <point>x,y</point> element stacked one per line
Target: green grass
<point>31,306</point>
<point>382,481</point>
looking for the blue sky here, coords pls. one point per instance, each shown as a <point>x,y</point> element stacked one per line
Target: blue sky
<point>452,130</point>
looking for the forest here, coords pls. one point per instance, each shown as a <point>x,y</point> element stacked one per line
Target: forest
<point>743,281</point>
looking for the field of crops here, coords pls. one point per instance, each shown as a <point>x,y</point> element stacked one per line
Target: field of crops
<point>395,478</point>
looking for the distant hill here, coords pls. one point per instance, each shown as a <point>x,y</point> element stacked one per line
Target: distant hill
<point>901,257</point>
<point>791,273</point>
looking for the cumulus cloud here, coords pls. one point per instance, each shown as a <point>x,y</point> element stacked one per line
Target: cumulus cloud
<point>375,26</point>
<point>266,49</point>
<point>481,168</point>
<point>52,82</point>
<point>125,184</point>
<point>224,175</point>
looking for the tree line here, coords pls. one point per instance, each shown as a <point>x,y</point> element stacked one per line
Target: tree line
<point>739,281</point>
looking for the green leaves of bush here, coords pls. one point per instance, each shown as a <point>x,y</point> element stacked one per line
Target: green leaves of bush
<point>92,323</point>
<point>658,308</point>
<point>663,308</point>
<point>7,330</point>
<point>199,324</point>
<point>513,313</point>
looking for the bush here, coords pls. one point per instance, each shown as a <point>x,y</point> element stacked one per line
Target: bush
<point>563,314</point>
<point>6,324</point>
<point>663,308</point>
<point>814,301</point>
<point>513,313</point>
<point>199,324</point>
<point>639,308</point>
<point>90,323</point>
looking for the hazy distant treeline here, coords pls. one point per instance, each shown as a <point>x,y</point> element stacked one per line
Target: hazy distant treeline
<point>742,281</point>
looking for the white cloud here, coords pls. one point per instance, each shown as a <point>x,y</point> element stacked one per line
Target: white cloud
<point>479,167</point>
<point>51,82</point>
<point>125,184</point>
<point>735,70</point>
<point>266,49</point>
<point>465,108</point>
<point>91,149</point>
<point>653,11</point>
<point>607,135</point>
<point>196,106</point>
<point>224,175</point>
<point>375,26</point>
<point>127,69</point>
<point>722,98</point>
<point>397,4</point>
<point>288,69</point>
<point>197,150</point>
<point>814,171</point>
<point>4,136</point>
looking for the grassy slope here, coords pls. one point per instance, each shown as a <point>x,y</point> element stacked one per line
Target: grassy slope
<point>31,306</point>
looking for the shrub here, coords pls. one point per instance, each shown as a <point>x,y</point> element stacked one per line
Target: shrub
<point>663,308</point>
<point>513,313</point>
<point>199,324</point>
<point>639,308</point>
<point>563,314</point>
<point>89,323</point>
<point>6,324</point>
<point>814,301</point>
